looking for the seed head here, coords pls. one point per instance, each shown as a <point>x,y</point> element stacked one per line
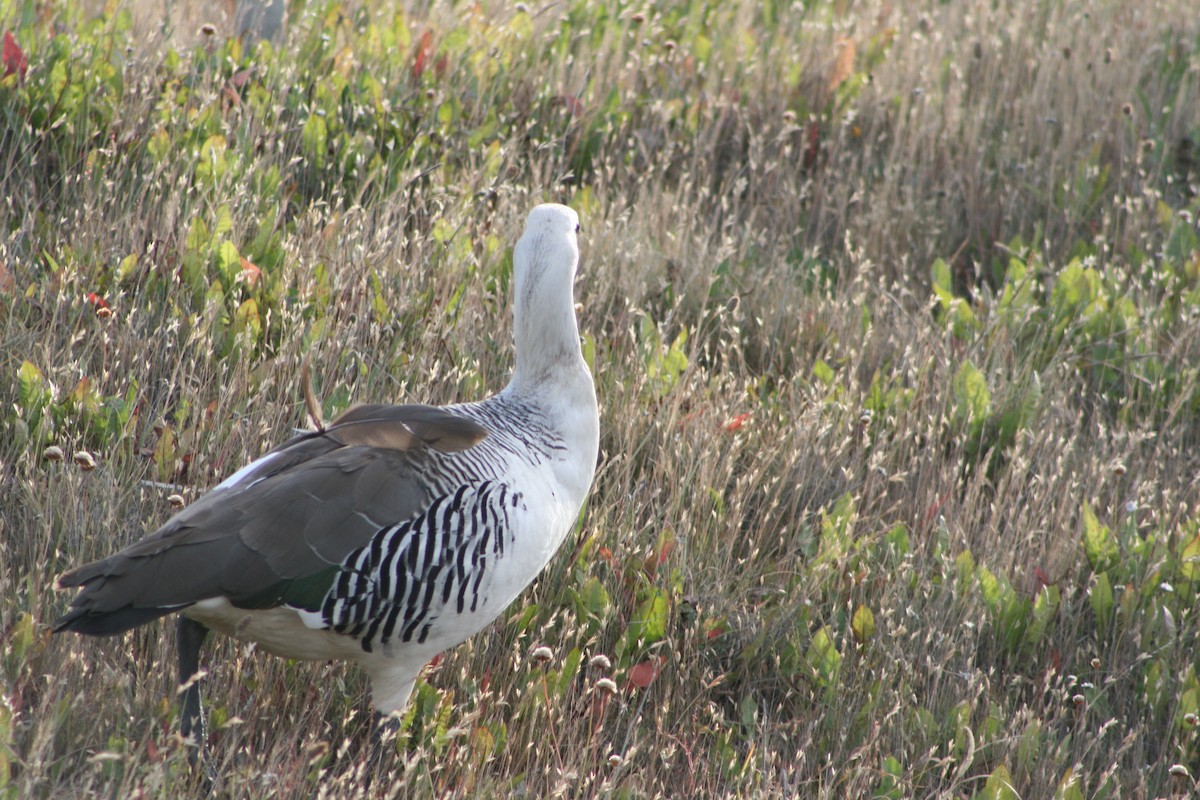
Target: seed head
<point>1095,663</point>
<point>85,460</point>
<point>1178,771</point>
<point>639,18</point>
<point>542,654</point>
<point>208,29</point>
<point>176,500</point>
<point>615,760</point>
<point>600,661</point>
<point>606,686</point>
<point>53,453</point>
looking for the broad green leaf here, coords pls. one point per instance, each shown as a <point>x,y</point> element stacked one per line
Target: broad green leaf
<point>824,659</point>
<point>999,786</point>
<point>314,137</point>
<point>990,587</point>
<point>229,262</point>
<point>211,163</point>
<point>863,624</point>
<point>939,273</point>
<point>1099,544</point>
<point>1068,787</point>
<point>593,597</point>
<point>891,774</point>
<point>1189,559</point>
<point>971,396</point>
<point>33,390</point>
<point>822,372</point>
<point>649,623</point>
<point>1045,607</point>
<point>1101,598</point>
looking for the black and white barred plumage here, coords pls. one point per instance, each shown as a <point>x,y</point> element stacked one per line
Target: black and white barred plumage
<point>395,586</point>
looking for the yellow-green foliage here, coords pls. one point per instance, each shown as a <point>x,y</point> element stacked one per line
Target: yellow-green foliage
<point>892,308</point>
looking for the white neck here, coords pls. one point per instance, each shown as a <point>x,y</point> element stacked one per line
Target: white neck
<point>549,371</point>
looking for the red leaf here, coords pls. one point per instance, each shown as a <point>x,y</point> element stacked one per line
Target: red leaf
<point>737,422</point>
<point>96,300</point>
<point>421,57</point>
<point>1040,579</point>
<point>715,629</point>
<point>14,57</point>
<point>643,674</point>
<point>813,146</point>
<point>250,272</point>
<point>574,104</point>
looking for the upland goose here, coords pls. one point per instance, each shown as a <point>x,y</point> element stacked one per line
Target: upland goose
<point>390,535</point>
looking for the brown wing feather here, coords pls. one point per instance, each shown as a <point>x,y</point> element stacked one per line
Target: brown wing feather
<point>321,496</point>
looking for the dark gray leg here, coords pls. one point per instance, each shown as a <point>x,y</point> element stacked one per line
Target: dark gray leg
<point>383,744</point>
<point>191,635</point>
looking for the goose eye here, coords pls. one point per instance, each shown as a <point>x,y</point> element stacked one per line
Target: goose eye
<point>577,228</point>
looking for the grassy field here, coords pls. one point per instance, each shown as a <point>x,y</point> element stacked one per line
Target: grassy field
<point>894,312</point>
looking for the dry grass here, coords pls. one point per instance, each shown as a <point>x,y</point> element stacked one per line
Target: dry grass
<point>863,526</point>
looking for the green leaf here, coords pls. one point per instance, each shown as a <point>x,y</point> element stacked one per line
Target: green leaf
<point>1101,598</point>
<point>863,624</point>
<point>939,274</point>
<point>822,372</point>
<point>33,390</point>
<point>649,623</point>
<point>1068,787</point>
<point>897,542</point>
<point>315,137</point>
<point>971,396</point>
<point>824,659</point>
<point>229,262</point>
<point>891,774</point>
<point>990,587</point>
<point>1099,544</point>
<point>1045,607</point>
<point>211,163</point>
<point>1189,559</point>
<point>592,598</point>
<point>999,786</point>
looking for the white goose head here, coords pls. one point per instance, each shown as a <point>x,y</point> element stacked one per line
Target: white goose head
<point>544,264</point>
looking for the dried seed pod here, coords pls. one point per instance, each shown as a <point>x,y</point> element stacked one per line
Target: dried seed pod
<point>85,460</point>
<point>600,661</point>
<point>53,453</point>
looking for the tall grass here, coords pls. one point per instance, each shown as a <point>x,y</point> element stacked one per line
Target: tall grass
<point>892,312</point>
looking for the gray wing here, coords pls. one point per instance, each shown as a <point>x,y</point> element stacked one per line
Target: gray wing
<point>278,534</point>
